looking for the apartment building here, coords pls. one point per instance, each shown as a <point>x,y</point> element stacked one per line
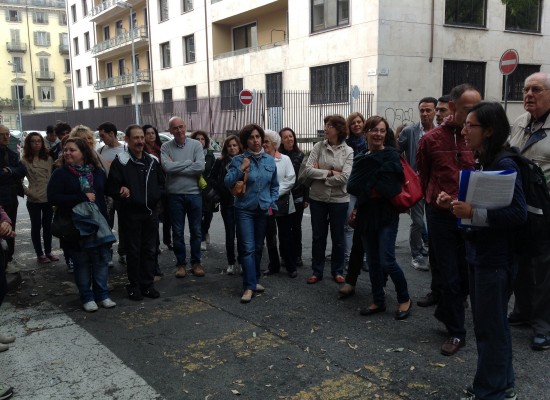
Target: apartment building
<point>400,50</point>
<point>36,67</point>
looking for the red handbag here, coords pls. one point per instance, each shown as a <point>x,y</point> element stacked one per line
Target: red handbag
<point>411,190</point>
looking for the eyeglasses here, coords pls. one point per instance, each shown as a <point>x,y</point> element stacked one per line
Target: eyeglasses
<point>329,126</point>
<point>533,89</point>
<point>468,125</point>
<point>377,130</point>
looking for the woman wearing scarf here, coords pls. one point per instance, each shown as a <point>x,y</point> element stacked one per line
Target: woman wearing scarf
<point>252,209</point>
<point>80,179</point>
<point>231,148</point>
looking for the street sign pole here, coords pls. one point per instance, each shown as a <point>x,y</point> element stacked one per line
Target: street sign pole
<point>505,92</point>
<point>508,64</point>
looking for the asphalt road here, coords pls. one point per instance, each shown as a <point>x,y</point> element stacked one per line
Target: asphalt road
<point>295,341</point>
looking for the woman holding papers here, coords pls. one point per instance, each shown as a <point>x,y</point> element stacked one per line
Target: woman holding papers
<point>490,253</point>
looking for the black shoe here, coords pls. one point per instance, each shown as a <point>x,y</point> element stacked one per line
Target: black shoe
<point>515,319</point>
<point>427,301</point>
<point>152,293</point>
<point>268,272</point>
<point>370,311</point>
<point>292,274</point>
<point>135,295</point>
<point>540,342</point>
<point>399,315</point>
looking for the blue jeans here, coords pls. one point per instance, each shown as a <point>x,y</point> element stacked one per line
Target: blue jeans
<point>417,228</point>
<point>91,272</point>
<point>41,215</point>
<point>180,206</point>
<point>251,230</point>
<point>323,214</point>
<point>228,215</point>
<point>380,250</point>
<point>490,290</point>
<point>450,257</point>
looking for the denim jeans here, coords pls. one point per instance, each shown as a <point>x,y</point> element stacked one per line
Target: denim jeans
<point>180,206</point>
<point>417,227</point>
<point>323,214</point>
<point>91,272</point>
<point>41,215</point>
<point>228,215</point>
<point>380,250</point>
<point>450,257</point>
<point>251,230</point>
<point>490,290</point>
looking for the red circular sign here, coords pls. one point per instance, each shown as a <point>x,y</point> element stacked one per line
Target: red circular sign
<point>245,97</point>
<point>508,62</point>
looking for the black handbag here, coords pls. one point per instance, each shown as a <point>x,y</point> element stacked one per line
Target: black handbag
<point>283,205</point>
<point>213,195</point>
<point>63,226</point>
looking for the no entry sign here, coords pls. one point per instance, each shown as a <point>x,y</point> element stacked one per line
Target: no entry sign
<point>508,62</point>
<point>245,97</point>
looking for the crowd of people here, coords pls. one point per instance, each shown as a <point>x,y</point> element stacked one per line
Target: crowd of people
<point>263,182</point>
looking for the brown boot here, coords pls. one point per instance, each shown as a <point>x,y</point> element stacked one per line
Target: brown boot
<point>197,270</point>
<point>181,272</point>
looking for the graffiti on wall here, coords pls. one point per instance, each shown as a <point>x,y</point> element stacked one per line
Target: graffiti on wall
<point>397,116</point>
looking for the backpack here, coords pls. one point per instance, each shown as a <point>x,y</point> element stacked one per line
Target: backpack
<point>537,197</point>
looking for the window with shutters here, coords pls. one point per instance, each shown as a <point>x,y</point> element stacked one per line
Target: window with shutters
<point>165,55</point>
<point>191,98</point>
<point>163,10</point>
<point>229,93</point>
<point>17,64</point>
<point>189,48</point>
<point>15,36</point>
<point>44,64</point>
<point>78,78</point>
<point>327,14</point>
<point>40,17</point>
<point>89,77</point>
<point>17,92</point>
<point>13,16</point>
<point>42,38</point>
<point>329,83</point>
<point>274,89</point>
<point>524,16</point>
<point>76,49</point>
<point>458,72</point>
<point>466,13</point>
<point>245,36</point>
<point>516,80</point>
<point>62,17</point>
<point>87,41</point>
<point>46,93</point>
<point>186,6</point>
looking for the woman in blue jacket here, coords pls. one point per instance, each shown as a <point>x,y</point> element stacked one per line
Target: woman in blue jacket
<point>252,210</point>
<point>490,253</point>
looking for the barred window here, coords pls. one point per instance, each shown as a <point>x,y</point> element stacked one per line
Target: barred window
<point>516,80</point>
<point>459,72</point>
<point>466,12</point>
<point>329,83</point>
<point>229,91</point>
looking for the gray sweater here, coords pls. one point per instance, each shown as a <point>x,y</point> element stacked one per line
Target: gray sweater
<point>183,166</point>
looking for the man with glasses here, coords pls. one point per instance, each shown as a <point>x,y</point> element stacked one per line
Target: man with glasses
<point>531,134</point>
<point>442,153</point>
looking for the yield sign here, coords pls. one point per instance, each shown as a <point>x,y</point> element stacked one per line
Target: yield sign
<point>245,97</point>
<point>508,62</point>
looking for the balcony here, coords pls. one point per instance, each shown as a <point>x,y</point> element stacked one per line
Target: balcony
<point>121,42</point>
<point>63,49</point>
<point>250,50</point>
<point>107,10</point>
<point>118,82</point>
<point>44,75</point>
<point>37,3</point>
<point>67,104</point>
<point>16,47</point>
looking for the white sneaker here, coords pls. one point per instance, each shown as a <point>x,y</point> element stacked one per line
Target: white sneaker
<point>108,303</point>
<point>203,246</point>
<point>419,264</point>
<point>90,306</point>
<point>230,270</point>
<point>7,339</point>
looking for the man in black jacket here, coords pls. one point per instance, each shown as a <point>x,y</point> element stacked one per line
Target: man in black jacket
<point>137,181</point>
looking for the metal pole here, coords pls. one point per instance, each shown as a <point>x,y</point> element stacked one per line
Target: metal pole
<point>505,92</point>
<point>134,64</point>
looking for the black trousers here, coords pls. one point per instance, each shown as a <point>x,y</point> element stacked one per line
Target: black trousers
<point>355,258</point>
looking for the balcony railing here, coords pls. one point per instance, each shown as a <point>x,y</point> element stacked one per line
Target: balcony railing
<point>45,75</point>
<point>25,103</point>
<point>250,50</point>
<point>103,6</point>
<point>16,47</point>
<point>118,40</point>
<point>67,104</point>
<point>122,80</point>
<point>63,49</point>
<point>37,3</point>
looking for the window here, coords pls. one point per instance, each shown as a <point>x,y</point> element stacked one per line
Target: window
<point>145,98</point>
<point>44,64</point>
<point>119,29</point>
<point>329,83</point>
<point>91,104</point>
<point>67,66</point>
<point>465,12</point>
<point>132,21</point>
<point>80,105</point>
<point>89,78</point>
<point>163,10</point>
<point>40,17</point>
<point>78,79</point>
<point>62,17</point>
<point>106,33</point>
<point>13,16</point>
<point>245,37</point>
<point>136,62</point>
<point>121,67</point>
<point>46,93</point>
<point>524,17</point>
<point>229,91</point>
<point>87,41</point>
<point>84,8</point>
<point>15,36</point>
<point>42,38</point>
<point>191,98</point>
<point>458,72</point>
<point>109,70</point>
<point>104,102</point>
<point>126,99</point>
<point>516,80</point>
<point>274,89</point>
<point>17,92</point>
<point>73,14</point>
<point>165,55</point>
<point>17,64</point>
<point>189,48</point>
<point>146,103</point>
<point>168,104</point>
<point>326,14</point>
<point>75,46</point>
<point>186,5</point>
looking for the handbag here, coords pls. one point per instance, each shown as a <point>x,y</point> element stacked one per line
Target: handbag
<point>283,205</point>
<point>239,189</point>
<point>212,195</point>
<point>63,226</point>
<point>411,190</point>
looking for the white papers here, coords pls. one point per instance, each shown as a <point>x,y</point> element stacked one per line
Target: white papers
<point>486,189</point>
